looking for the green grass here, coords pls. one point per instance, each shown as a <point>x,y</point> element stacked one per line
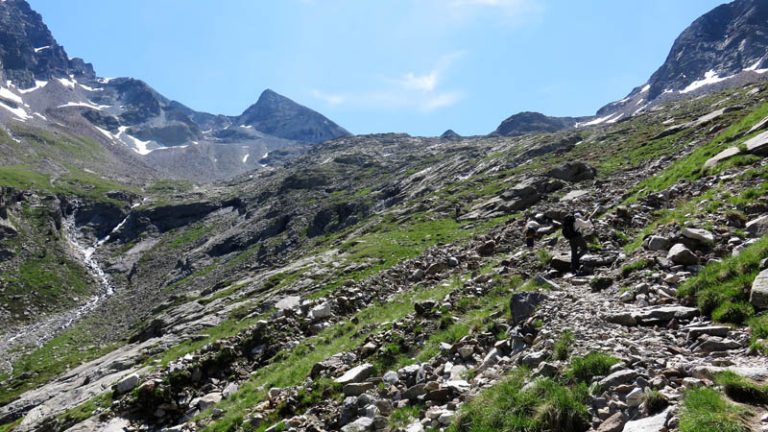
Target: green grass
<point>544,406</point>
<point>706,410</point>
<point>721,289</point>
<point>742,389</point>
<point>690,167</point>
<point>641,264</point>
<point>583,369</point>
<point>562,347</point>
<point>291,368</point>
<point>402,417</point>
<point>189,235</point>
<point>759,337</point>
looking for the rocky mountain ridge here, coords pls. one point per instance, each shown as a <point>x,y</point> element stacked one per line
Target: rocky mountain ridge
<point>43,88</point>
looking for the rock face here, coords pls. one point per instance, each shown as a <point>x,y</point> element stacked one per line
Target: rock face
<point>725,47</point>
<point>281,117</point>
<point>28,51</point>
<point>530,122</point>
<point>759,294</point>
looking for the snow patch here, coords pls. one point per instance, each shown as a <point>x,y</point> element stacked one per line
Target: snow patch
<point>140,146</point>
<point>9,95</point>
<point>41,116</point>
<point>38,86</point>
<point>754,67</point>
<point>19,113</point>
<point>245,158</point>
<point>106,133</point>
<point>597,121</point>
<point>711,77</point>
<point>67,82</point>
<point>37,50</point>
<point>84,105</point>
<point>645,88</point>
<point>104,80</point>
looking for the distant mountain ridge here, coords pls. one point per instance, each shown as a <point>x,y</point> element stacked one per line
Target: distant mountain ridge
<point>41,84</point>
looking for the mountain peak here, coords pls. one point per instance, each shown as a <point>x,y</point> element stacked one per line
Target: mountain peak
<point>280,116</point>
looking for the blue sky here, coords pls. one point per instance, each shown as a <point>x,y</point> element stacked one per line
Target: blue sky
<point>416,66</point>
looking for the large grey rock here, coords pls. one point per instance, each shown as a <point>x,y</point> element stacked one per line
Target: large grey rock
<point>652,316</point>
<point>695,332</point>
<point>723,155</point>
<point>523,305</point>
<point>759,294</point>
<point>758,227</point>
<point>356,374</point>
<point>619,377</point>
<point>698,234</point>
<point>758,144</point>
<point>614,423</point>
<point>320,312</point>
<point>288,302</point>
<point>127,384</point>
<point>209,400</point>
<point>657,243</point>
<point>714,343</point>
<point>655,423</point>
<point>679,254</point>
<point>360,425</point>
<point>573,172</point>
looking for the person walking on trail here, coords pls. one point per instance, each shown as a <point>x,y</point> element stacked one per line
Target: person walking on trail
<point>531,231</point>
<point>573,231</point>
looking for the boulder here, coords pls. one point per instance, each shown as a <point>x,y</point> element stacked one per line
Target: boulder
<point>723,155</point>
<point>655,423</point>
<point>289,302</point>
<point>487,248</point>
<point>356,389</point>
<point>127,384</point>
<point>635,397</point>
<point>758,145</point>
<point>714,343</point>
<point>699,235</point>
<point>758,227</point>
<point>679,254</point>
<point>623,376</point>
<point>356,374</point>
<point>424,308</point>
<point>759,294</point>
<point>695,332</point>
<point>320,312</point>
<point>523,304</point>
<point>614,423</point>
<point>360,425</point>
<point>657,243</point>
<point>229,390</point>
<point>7,230</point>
<point>573,172</point>
<point>561,263</point>
<point>209,400</point>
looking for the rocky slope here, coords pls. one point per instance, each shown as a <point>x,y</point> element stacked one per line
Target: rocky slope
<point>381,283</point>
<point>531,122</point>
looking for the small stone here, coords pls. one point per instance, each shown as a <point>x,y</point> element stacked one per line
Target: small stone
<point>614,423</point>
<point>635,397</point>
<point>697,234</point>
<point>759,294</point>
<point>229,390</point>
<point>127,384</point>
<point>209,400</point>
<point>356,389</point>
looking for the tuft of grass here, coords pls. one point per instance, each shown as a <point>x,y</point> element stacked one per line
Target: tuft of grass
<point>546,405</point>
<point>742,389</point>
<point>562,347</point>
<point>706,410</point>
<point>759,337</point>
<point>402,417</point>
<point>722,289</point>
<point>634,266</point>
<point>544,257</point>
<point>654,401</point>
<point>583,369</point>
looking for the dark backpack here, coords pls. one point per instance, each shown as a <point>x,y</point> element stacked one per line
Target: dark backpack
<point>569,228</point>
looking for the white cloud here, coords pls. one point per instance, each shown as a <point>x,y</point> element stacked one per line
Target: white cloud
<point>416,91</point>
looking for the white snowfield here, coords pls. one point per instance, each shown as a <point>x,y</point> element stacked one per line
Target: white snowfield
<point>245,158</point>
<point>710,77</point>
<point>84,105</point>
<point>9,95</point>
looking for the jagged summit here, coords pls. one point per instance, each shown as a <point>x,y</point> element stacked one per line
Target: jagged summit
<point>28,50</point>
<point>277,115</point>
<point>725,47</point>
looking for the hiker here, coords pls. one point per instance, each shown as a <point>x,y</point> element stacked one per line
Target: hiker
<point>573,227</point>
<point>531,231</point>
<point>457,209</point>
